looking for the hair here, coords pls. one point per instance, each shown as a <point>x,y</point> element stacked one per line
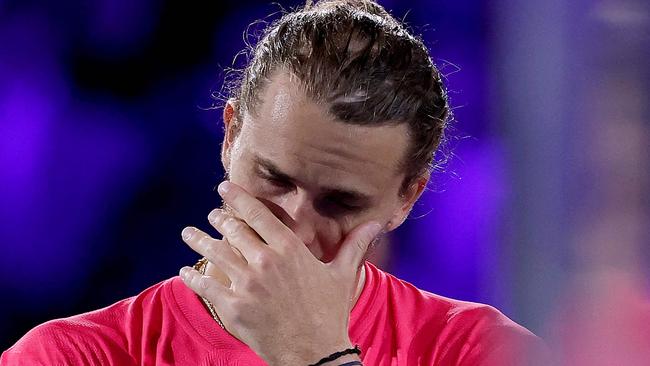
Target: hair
<point>362,64</point>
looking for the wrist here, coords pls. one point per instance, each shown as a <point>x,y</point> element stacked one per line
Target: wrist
<point>342,360</point>
<point>300,356</point>
<point>347,354</point>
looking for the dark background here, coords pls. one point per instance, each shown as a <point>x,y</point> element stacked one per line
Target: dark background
<point>110,147</point>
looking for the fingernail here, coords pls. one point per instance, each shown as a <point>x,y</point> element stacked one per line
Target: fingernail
<point>183,272</point>
<point>224,187</point>
<point>212,217</point>
<point>187,233</point>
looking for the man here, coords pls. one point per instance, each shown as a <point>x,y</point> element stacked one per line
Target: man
<point>329,137</point>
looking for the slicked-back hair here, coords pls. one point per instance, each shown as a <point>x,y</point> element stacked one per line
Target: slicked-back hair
<point>361,63</point>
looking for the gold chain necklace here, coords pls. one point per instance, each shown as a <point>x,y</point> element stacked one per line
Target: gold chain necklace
<point>200,266</point>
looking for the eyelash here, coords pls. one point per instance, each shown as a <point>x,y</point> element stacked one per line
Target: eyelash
<point>346,207</point>
<point>278,182</point>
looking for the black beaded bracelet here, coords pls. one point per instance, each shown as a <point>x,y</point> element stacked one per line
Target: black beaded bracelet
<point>352,363</point>
<point>336,355</point>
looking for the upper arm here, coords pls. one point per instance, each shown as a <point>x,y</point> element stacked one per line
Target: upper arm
<point>507,346</point>
<point>482,336</point>
<point>56,344</point>
<point>495,340</point>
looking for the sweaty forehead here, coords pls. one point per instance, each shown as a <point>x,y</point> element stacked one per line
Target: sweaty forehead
<point>292,127</point>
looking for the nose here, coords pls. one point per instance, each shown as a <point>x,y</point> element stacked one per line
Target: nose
<point>298,214</point>
<point>303,218</point>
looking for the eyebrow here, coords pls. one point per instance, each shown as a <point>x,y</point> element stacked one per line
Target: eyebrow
<point>341,192</point>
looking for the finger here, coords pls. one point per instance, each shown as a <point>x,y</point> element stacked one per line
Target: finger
<point>256,215</point>
<point>216,251</point>
<point>355,245</point>
<point>205,286</point>
<point>238,234</point>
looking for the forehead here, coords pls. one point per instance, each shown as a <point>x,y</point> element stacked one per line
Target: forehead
<point>300,135</point>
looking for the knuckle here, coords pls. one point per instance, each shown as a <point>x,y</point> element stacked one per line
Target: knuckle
<point>204,282</point>
<point>255,213</point>
<point>232,194</point>
<point>266,260</point>
<point>252,286</point>
<point>237,311</point>
<point>284,250</point>
<point>247,284</point>
<point>232,225</point>
<point>290,244</point>
<point>211,251</point>
<point>220,220</point>
<point>204,242</point>
<point>194,281</point>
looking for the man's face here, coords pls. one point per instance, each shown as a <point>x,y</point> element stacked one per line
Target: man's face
<point>322,177</point>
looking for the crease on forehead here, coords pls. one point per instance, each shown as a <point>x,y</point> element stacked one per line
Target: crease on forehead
<point>304,152</point>
<point>349,147</point>
<point>346,146</point>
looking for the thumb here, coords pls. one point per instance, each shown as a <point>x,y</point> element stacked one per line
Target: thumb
<point>356,244</point>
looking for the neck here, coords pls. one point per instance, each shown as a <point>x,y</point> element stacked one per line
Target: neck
<point>212,270</point>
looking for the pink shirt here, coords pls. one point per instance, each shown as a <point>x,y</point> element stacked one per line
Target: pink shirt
<point>393,322</point>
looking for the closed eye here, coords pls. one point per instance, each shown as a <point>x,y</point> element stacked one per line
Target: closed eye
<point>328,205</point>
<point>345,205</point>
<point>333,206</point>
<point>277,181</point>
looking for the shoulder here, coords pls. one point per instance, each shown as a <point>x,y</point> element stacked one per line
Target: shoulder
<point>457,332</point>
<point>479,334</point>
<point>62,342</point>
<point>98,337</point>
<point>461,316</point>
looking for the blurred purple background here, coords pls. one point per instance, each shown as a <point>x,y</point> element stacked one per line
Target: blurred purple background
<point>107,149</point>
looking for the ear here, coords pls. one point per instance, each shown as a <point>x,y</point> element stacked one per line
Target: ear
<point>231,125</point>
<point>408,199</point>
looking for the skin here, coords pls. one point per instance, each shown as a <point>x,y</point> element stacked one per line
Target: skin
<point>306,196</point>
